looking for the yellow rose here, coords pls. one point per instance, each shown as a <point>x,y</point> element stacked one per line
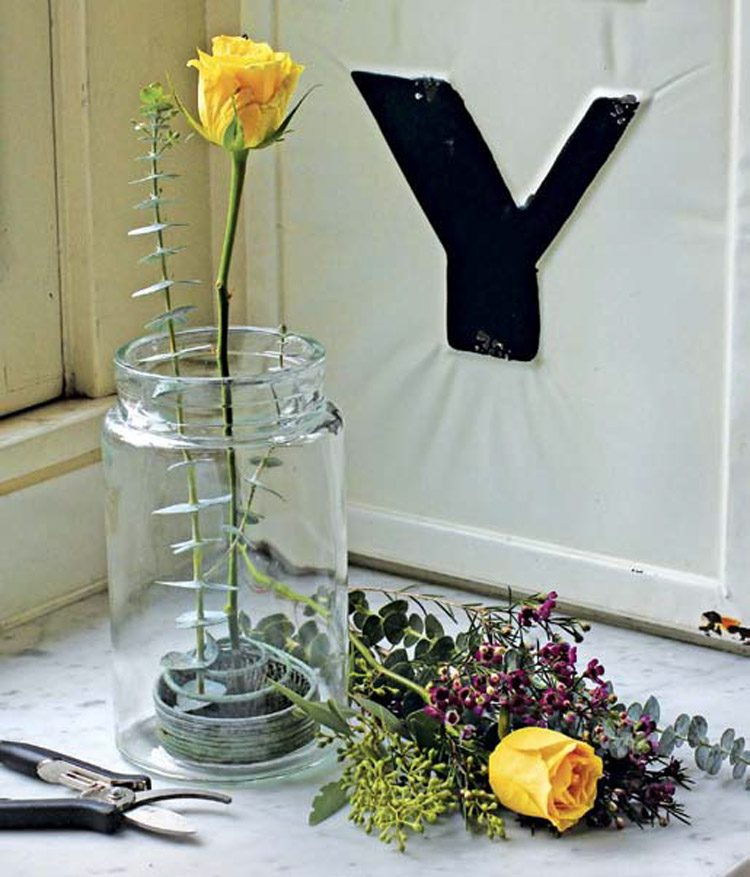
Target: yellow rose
<point>250,76</point>
<point>542,773</point>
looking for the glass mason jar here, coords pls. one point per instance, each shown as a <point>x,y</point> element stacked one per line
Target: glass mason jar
<point>227,552</point>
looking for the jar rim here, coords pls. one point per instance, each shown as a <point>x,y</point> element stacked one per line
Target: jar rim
<point>313,354</point>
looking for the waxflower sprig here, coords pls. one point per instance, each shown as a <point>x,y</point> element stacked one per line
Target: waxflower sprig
<point>495,715</point>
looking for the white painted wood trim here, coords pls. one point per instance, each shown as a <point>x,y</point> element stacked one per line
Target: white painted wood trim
<point>736,535</point>
<point>96,97</point>
<point>619,585</point>
<point>52,605</point>
<point>43,443</point>
<point>29,281</point>
<point>53,533</point>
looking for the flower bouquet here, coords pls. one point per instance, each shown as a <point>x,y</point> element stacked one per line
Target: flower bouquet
<point>224,469</point>
<point>487,711</point>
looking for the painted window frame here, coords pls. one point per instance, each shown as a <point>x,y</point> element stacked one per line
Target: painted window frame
<point>49,454</point>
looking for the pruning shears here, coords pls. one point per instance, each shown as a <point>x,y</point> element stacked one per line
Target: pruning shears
<point>106,799</point>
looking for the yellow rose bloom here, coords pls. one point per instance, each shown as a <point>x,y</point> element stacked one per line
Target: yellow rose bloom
<point>248,75</point>
<point>543,773</point>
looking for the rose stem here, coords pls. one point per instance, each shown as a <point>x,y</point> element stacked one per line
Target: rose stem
<point>239,164</point>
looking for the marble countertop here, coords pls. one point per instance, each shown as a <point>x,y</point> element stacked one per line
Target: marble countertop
<point>55,691</point>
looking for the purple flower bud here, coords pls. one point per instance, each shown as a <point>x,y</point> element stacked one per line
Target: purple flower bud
<point>527,616</point>
<point>452,717</point>
<point>484,653</point>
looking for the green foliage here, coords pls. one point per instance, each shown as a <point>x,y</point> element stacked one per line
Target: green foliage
<point>393,786</point>
<point>277,136</point>
<point>154,127</point>
<point>409,644</point>
<point>234,136</point>
<point>307,642</point>
<point>408,759</point>
<point>709,756</point>
<point>329,800</point>
<point>482,812</point>
<point>328,715</point>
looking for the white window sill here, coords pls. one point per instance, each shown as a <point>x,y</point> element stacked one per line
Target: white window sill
<point>51,508</point>
<point>50,441</point>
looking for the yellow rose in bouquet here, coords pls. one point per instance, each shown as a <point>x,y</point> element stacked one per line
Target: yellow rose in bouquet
<point>543,773</point>
<point>246,78</point>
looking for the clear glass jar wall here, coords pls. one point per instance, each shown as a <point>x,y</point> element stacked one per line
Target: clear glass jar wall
<point>227,553</point>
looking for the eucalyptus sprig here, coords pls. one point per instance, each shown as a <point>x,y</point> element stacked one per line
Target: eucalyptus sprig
<point>154,127</point>
<point>157,110</point>
<point>709,756</point>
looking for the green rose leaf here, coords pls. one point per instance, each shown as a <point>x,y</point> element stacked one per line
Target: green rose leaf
<point>329,800</point>
<point>424,729</point>
<point>391,722</point>
<point>321,713</point>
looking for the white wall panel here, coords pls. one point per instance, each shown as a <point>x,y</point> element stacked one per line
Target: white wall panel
<point>605,466</point>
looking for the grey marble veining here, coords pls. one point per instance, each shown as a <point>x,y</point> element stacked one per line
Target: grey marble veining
<point>55,691</point>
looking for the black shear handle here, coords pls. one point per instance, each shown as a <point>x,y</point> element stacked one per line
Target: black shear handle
<point>60,813</point>
<point>25,758</point>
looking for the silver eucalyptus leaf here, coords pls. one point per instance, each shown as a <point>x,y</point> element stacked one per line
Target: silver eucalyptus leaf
<point>727,740</point>
<point>667,741</point>
<point>697,730</point>
<point>682,724</point>
<point>702,753</point>
<point>651,708</point>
